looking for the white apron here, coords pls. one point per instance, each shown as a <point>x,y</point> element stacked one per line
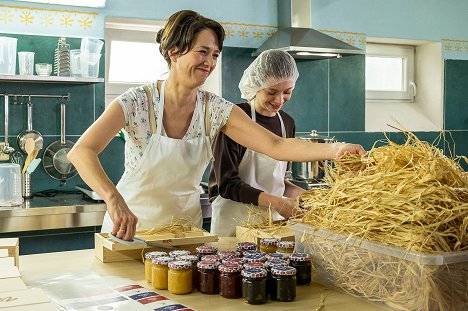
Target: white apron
<point>259,171</point>
<point>165,183</point>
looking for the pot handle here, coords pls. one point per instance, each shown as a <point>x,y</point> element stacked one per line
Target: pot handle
<point>29,113</point>
<point>62,123</point>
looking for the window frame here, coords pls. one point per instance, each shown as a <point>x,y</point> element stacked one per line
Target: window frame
<point>407,52</point>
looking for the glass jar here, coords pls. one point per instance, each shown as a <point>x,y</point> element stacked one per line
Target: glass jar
<point>208,277</point>
<point>179,278</point>
<point>254,257</point>
<point>159,272</point>
<point>194,260</point>
<point>254,265</point>
<point>276,256</point>
<point>211,257</point>
<point>228,254</point>
<point>204,250</point>
<point>233,260</point>
<point>268,265</point>
<point>283,287</point>
<point>245,246</point>
<point>178,252</point>
<point>285,247</point>
<point>301,261</point>
<point>230,280</point>
<point>254,286</point>
<point>149,263</point>
<point>268,245</point>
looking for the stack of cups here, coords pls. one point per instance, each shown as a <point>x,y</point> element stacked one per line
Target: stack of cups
<point>85,61</point>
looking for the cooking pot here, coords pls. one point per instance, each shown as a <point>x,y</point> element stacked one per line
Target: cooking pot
<point>312,172</point>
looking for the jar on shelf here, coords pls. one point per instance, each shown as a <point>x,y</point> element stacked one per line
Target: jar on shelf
<point>178,252</point>
<point>194,260</point>
<point>149,263</point>
<point>228,254</point>
<point>245,246</point>
<point>230,280</point>
<point>179,279</point>
<point>285,247</point>
<point>208,277</point>
<point>204,250</point>
<point>268,245</point>
<point>254,286</point>
<point>283,287</point>
<point>303,265</point>
<point>159,271</point>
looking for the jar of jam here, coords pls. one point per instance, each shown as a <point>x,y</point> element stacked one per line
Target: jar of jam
<point>210,257</point>
<point>159,272</point>
<point>149,263</point>
<point>228,254</point>
<point>268,265</point>
<point>285,247</point>
<point>245,246</point>
<point>230,280</point>
<point>194,260</point>
<point>254,257</point>
<point>204,250</point>
<point>208,277</point>
<point>178,252</point>
<point>283,287</point>
<point>268,245</point>
<point>254,265</point>
<point>253,251</point>
<point>301,261</point>
<point>254,286</point>
<point>179,278</point>
<point>276,256</point>
<point>233,260</point>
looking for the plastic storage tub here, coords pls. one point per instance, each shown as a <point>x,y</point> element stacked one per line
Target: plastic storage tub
<point>384,274</point>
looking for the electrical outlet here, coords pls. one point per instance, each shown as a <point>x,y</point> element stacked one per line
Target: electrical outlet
<point>3,156</point>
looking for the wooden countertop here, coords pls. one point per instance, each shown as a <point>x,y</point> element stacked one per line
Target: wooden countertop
<point>41,266</point>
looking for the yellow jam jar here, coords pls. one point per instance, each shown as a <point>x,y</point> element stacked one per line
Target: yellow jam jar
<point>159,272</point>
<point>268,245</point>
<point>149,263</point>
<point>179,279</point>
<point>286,248</point>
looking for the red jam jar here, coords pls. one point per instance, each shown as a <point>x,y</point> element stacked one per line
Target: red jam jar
<point>208,277</point>
<point>230,280</point>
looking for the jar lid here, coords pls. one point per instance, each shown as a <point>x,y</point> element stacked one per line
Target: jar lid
<point>254,257</point>
<point>283,270</point>
<point>228,254</point>
<point>210,257</point>
<point>208,264</point>
<point>152,255</point>
<point>233,260</point>
<point>254,251</point>
<point>191,258</point>
<point>286,244</point>
<point>276,262</point>
<point>275,256</point>
<point>206,249</point>
<point>250,265</point>
<point>180,264</point>
<point>314,136</point>
<point>254,273</point>
<point>178,252</point>
<point>300,257</point>
<point>269,241</point>
<point>163,260</point>
<point>242,246</point>
<point>230,267</point>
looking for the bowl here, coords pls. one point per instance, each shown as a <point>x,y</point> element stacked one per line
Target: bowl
<point>43,69</point>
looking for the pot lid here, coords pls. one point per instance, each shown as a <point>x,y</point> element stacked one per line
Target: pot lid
<point>314,136</point>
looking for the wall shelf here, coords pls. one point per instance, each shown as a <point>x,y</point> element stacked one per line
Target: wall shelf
<point>49,79</point>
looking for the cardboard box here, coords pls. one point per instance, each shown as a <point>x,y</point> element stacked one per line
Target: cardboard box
<point>244,234</point>
<point>11,245</point>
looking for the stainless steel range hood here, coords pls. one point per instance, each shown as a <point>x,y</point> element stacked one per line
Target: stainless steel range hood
<point>296,36</point>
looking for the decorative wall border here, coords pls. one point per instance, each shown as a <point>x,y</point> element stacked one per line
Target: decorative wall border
<point>455,49</point>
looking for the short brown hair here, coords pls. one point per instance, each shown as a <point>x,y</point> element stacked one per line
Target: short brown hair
<point>180,31</point>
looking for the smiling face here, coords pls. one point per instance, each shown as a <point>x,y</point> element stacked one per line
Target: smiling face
<point>271,99</point>
<point>197,64</point>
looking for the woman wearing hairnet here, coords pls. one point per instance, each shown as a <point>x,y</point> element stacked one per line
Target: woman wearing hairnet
<point>240,176</point>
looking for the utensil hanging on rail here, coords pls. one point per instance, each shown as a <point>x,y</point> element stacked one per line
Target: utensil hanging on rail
<point>55,160</point>
<point>7,149</point>
<point>29,132</point>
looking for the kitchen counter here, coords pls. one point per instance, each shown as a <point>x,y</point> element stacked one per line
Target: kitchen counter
<point>56,212</point>
<point>38,267</point>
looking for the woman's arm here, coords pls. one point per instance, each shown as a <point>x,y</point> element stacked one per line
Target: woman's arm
<point>84,156</point>
<point>291,190</point>
<point>243,130</point>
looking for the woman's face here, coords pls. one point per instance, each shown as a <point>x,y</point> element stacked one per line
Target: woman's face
<point>271,99</point>
<point>198,63</point>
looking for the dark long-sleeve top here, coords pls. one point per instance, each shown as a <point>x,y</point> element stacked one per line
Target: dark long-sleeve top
<point>224,177</point>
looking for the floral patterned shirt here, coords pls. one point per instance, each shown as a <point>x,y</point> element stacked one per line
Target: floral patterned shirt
<point>137,129</point>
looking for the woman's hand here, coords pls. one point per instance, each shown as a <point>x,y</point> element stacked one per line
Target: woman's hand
<point>286,207</point>
<point>123,219</point>
<point>344,148</point>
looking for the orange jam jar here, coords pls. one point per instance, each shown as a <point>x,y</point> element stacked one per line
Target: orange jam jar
<point>179,278</point>
<point>149,263</point>
<point>285,247</point>
<point>159,272</point>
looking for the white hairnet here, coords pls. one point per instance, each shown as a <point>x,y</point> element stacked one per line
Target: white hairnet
<point>269,68</point>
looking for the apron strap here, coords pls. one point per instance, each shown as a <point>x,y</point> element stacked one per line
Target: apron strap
<point>207,114</point>
<point>151,116</point>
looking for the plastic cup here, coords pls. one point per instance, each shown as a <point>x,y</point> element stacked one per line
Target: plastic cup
<point>75,64</point>
<point>26,63</point>
<point>8,55</point>
<point>89,63</point>
<point>91,46</point>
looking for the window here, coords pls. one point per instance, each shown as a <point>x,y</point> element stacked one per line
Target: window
<point>390,72</point>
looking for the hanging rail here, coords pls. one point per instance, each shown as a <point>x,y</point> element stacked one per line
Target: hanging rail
<point>67,97</point>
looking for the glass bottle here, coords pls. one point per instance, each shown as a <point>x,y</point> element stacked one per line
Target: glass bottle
<point>254,286</point>
<point>179,279</point>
